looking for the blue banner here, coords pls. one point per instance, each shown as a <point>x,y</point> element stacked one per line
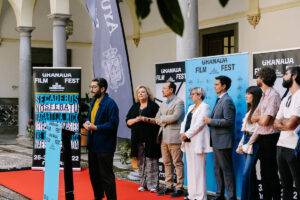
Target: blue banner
<point>110,56</point>
<point>201,72</point>
<point>51,180</point>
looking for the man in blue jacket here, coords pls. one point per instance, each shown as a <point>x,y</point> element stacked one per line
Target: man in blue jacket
<point>102,124</point>
<point>222,138</point>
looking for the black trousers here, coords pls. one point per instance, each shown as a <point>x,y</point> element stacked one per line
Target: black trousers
<point>102,175</point>
<point>289,170</point>
<point>268,166</point>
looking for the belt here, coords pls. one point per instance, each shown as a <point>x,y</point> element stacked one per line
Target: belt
<point>247,133</point>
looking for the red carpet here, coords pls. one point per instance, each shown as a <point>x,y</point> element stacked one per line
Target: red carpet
<point>31,184</point>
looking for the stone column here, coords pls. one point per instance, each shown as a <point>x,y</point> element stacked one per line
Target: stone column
<point>187,46</point>
<point>24,113</point>
<point>59,39</point>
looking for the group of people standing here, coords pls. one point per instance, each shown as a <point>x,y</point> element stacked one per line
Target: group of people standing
<point>165,131</point>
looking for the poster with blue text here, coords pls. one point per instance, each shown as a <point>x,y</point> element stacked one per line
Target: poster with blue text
<point>57,99</point>
<point>201,72</point>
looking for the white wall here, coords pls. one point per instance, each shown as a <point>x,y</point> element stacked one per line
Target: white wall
<point>9,51</point>
<point>276,30</point>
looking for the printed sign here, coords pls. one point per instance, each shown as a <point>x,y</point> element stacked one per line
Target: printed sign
<point>201,72</point>
<point>110,56</point>
<point>172,71</point>
<point>278,60</point>
<point>51,180</point>
<point>57,98</point>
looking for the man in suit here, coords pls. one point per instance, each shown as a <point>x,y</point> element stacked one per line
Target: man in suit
<point>169,118</point>
<point>222,138</point>
<point>102,124</point>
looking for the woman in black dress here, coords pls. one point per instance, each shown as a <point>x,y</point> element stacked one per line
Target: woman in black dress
<point>143,137</point>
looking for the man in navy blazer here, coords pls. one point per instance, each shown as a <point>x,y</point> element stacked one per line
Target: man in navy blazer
<point>222,138</point>
<point>102,124</point>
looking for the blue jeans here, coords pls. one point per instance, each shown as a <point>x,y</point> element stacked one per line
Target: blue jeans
<point>250,187</point>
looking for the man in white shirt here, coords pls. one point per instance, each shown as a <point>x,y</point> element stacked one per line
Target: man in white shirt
<point>287,119</point>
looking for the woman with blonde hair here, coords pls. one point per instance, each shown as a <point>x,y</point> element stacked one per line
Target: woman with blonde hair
<point>196,143</point>
<point>143,137</point>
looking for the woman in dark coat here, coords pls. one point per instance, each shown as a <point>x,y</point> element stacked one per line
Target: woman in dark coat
<point>143,138</point>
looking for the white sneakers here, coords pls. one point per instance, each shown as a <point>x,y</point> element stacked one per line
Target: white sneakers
<point>153,190</point>
<point>142,189</point>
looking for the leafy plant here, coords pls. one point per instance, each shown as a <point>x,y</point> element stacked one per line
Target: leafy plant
<point>30,128</point>
<point>169,11</point>
<point>84,109</point>
<point>125,152</point>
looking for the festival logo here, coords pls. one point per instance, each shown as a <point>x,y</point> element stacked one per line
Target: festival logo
<point>112,67</point>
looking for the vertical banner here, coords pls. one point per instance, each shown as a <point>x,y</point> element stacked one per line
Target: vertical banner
<point>51,180</point>
<point>278,60</point>
<point>201,72</point>
<point>172,71</point>
<point>110,56</point>
<point>57,98</point>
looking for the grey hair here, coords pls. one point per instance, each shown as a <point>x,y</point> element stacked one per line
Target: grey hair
<point>199,90</point>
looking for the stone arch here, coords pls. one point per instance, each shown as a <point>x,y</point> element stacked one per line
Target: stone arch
<point>23,10</point>
<point>60,7</point>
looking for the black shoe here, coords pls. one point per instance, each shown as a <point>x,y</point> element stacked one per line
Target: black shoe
<point>177,193</point>
<point>219,198</point>
<point>165,191</point>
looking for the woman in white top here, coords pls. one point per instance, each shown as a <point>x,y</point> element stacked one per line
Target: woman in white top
<point>196,143</point>
<point>249,146</point>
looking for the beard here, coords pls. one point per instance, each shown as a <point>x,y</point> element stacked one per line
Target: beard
<point>97,95</point>
<point>287,83</point>
<point>258,83</point>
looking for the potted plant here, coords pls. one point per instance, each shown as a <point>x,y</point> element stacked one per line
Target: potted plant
<point>30,128</point>
<point>84,111</point>
<point>125,151</point>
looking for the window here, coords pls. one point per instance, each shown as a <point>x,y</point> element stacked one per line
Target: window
<point>218,40</point>
<point>42,57</point>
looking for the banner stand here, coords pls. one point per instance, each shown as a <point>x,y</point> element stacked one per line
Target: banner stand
<point>67,158</point>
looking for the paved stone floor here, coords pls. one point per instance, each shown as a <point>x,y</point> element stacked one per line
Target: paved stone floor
<point>16,154</point>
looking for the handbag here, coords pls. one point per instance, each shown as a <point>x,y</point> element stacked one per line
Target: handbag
<point>247,148</point>
<point>159,137</point>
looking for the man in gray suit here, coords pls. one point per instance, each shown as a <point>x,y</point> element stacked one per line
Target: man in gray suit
<point>169,118</point>
<point>222,138</point>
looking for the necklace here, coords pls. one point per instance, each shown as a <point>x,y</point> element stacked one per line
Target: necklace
<point>142,107</point>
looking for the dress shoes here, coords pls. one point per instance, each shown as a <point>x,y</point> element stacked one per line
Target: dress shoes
<point>165,191</point>
<point>177,193</point>
<point>219,198</point>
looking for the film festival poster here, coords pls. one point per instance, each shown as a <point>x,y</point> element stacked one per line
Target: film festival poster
<point>278,60</point>
<point>202,72</point>
<point>57,99</point>
<point>169,71</point>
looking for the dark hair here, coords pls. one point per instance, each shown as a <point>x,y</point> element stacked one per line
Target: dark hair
<point>172,85</point>
<point>256,93</point>
<point>224,81</point>
<point>101,82</point>
<point>295,70</point>
<point>268,75</point>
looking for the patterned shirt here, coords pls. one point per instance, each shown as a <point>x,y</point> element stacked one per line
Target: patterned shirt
<point>268,105</point>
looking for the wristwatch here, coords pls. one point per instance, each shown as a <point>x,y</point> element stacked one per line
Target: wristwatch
<point>149,120</point>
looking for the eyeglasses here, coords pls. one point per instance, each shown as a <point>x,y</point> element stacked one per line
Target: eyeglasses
<point>192,94</point>
<point>288,102</point>
<point>93,86</point>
